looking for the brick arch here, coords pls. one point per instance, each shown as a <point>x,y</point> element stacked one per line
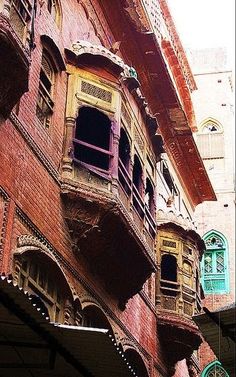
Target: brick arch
<point>137,363</point>
<point>28,243</point>
<point>94,316</point>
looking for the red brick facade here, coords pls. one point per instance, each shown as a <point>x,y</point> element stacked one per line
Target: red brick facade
<point>32,205</point>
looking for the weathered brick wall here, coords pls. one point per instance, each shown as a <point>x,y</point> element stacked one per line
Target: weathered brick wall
<point>30,156</point>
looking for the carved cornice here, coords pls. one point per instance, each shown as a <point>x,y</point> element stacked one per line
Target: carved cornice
<point>48,165</point>
<point>189,166</point>
<point>81,50</point>
<point>179,50</point>
<point>171,217</point>
<point>138,15</point>
<point>186,233</point>
<point>182,88</point>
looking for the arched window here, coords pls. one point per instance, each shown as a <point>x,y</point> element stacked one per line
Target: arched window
<point>169,275</point>
<point>92,141</point>
<point>210,140</point>
<point>94,317</point>
<point>43,281</point>
<point>124,162</point>
<point>136,362</point>
<point>46,88</point>
<point>214,370</point>
<point>55,11</point>
<point>214,264</point>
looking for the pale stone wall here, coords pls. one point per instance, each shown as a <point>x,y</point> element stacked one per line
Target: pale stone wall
<point>215,99</point>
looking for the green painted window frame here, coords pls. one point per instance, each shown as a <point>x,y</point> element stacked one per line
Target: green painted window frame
<point>213,281</point>
<point>211,367</point>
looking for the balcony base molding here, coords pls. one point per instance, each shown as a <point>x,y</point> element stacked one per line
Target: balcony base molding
<point>179,336</point>
<point>107,242</point>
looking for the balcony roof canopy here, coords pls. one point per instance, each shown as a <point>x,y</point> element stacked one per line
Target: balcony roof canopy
<point>30,343</point>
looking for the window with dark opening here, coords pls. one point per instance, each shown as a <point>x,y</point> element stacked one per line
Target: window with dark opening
<point>93,139</point>
<point>124,162</point>
<point>45,94</point>
<point>169,275</point>
<point>94,317</point>
<point>138,187</point>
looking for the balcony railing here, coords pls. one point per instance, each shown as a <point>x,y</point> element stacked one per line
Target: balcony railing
<point>20,16</point>
<point>179,298</point>
<point>131,198</point>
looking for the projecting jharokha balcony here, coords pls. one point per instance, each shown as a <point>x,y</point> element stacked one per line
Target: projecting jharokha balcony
<point>15,43</point>
<point>109,205</point>
<point>178,293</point>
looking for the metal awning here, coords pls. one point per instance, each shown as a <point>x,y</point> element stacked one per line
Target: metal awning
<point>218,329</point>
<point>32,346</point>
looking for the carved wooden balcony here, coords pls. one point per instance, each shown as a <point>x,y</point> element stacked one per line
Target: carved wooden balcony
<point>109,234</point>
<point>15,18</point>
<point>178,290</point>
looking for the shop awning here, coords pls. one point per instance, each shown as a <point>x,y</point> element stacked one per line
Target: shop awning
<point>32,346</point>
<point>218,329</point>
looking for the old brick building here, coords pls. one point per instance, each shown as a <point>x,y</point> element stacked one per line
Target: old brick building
<point>100,175</point>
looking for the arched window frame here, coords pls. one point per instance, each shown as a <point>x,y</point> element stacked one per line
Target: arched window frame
<point>39,283</point>
<point>214,274</point>
<point>211,142</point>
<point>210,367</point>
<point>47,79</point>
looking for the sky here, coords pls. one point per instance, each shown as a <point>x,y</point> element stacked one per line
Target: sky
<point>205,23</point>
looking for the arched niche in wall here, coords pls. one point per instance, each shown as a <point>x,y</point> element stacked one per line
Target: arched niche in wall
<point>93,316</point>
<point>136,362</point>
<point>42,278</point>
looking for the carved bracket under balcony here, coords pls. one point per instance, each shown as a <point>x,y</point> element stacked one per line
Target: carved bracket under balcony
<point>14,63</point>
<point>108,244</point>
<point>179,336</point>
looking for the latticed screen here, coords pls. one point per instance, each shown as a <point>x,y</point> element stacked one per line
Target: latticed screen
<point>214,266</point>
<point>217,371</point>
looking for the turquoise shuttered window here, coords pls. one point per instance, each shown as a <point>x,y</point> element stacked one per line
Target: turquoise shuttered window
<point>214,370</point>
<point>215,265</point>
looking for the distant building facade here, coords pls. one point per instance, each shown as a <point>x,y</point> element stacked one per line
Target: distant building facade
<point>214,109</point>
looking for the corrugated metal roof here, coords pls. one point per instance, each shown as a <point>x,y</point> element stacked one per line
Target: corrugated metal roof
<point>32,346</point>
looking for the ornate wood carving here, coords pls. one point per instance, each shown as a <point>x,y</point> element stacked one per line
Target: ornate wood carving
<point>137,15</point>
<point>93,224</point>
